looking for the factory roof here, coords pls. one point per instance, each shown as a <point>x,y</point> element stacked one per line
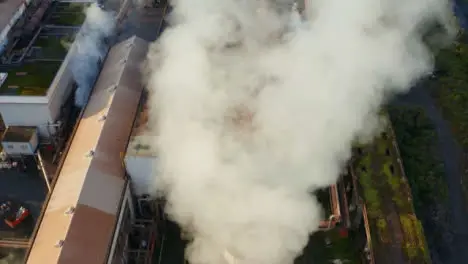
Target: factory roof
<point>92,164</point>
<point>8,9</point>
<point>19,134</point>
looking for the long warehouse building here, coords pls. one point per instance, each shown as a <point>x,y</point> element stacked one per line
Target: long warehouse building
<point>91,199</point>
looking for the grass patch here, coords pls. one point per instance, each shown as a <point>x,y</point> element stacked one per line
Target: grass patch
<point>54,47</point>
<point>31,79</point>
<point>414,244</point>
<point>71,7</point>
<point>371,194</point>
<point>386,192</point>
<point>67,19</point>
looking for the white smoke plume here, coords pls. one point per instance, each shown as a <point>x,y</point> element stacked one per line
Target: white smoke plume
<point>90,50</point>
<point>256,108</point>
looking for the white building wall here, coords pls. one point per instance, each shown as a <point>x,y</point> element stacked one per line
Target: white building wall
<point>27,114</point>
<point>63,88</point>
<point>39,111</point>
<point>140,169</point>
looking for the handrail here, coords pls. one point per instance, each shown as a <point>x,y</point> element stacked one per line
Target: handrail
<point>14,243</point>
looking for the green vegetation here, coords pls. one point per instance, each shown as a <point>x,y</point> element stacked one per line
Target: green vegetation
<point>31,79</point>
<point>386,193</point>
<point>71,7</point>
<point>449,90</point>
<point>417,138</point>
<point>68,14</point>
<point>414,236</point>
<point>54,47</point>
<point>67,19</point>
<point>328,245</point>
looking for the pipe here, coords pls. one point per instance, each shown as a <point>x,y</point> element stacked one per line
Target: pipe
<point>14,243</point>
<point>44,172</point>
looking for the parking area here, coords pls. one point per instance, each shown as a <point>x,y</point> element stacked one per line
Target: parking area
<point>24,187</point>
<point>67,14</point>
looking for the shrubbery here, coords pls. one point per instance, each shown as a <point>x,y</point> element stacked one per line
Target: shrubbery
<point>450,90</point>
<point>417,138</point>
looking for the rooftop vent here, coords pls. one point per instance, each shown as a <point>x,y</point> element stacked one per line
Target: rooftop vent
<point>59,243</point>
<point>112,88</point>
<point>70,210</point>
<point>90,153</point>
<point>102,118</point>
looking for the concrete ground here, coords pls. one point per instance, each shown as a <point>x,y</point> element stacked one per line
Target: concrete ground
<point>27,188</point>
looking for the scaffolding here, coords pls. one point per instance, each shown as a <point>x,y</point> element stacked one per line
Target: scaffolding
<point>146,237</point>
<point>142,240</point>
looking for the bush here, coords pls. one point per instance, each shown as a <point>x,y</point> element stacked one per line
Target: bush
<point>416,138</point>
<point>449,89</point>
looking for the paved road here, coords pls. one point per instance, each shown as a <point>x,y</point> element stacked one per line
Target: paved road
<point>452,157</point>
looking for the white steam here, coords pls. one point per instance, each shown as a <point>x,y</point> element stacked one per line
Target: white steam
<point>90,50</point>
<point>256,108</point>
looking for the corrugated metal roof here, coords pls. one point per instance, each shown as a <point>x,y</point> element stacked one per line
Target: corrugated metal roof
<point>94,184</point>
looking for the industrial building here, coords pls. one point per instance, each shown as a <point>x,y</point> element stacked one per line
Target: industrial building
<point>99,210</point>
<point>111,150</point>
<point>38,46</point>
<point>81,223</point>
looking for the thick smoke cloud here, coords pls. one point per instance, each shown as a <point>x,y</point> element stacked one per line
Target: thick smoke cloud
<point>90,50</point>
<point>256,108</point>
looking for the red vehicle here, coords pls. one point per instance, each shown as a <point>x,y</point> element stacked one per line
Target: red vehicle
<point>13,214</point>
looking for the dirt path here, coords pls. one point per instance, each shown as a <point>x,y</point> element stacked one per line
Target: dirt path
<point>452,156</point>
